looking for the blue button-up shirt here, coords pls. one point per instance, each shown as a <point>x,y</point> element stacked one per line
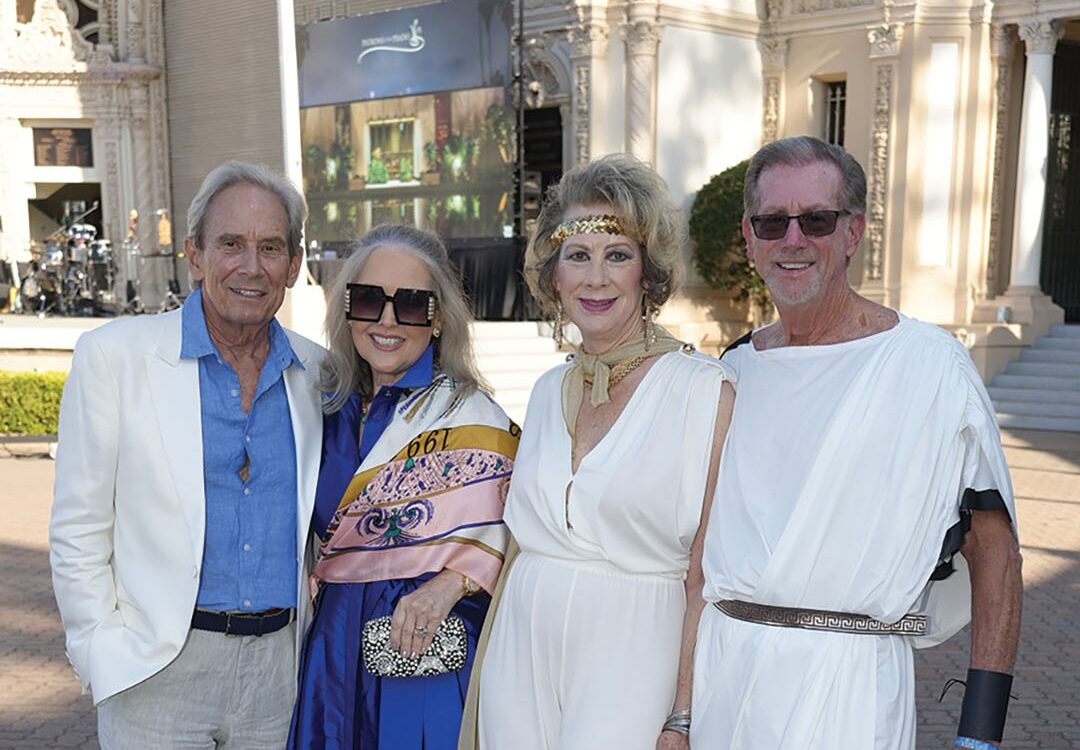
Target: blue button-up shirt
<point>249,557</point>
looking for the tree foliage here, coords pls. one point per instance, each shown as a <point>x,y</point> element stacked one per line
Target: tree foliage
<point>719,248</point>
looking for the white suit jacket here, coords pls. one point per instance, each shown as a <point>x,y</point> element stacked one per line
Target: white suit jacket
<point>128,519</point>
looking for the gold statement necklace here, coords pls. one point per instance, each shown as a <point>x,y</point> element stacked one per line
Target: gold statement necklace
<point>619,371</point>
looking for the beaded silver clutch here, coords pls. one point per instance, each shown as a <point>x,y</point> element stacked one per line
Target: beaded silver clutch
<point>445,654</point>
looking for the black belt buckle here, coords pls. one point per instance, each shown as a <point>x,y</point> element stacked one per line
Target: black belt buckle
<point>242,623</point>
<point>229,622</point>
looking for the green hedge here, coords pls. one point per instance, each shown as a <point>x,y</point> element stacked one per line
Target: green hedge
<point>30,402</point>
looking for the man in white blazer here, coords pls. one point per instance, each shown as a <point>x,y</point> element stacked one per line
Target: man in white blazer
<point>189,445</point>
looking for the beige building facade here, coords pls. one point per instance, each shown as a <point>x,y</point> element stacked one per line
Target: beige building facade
<point>947,104</point>
<point>100,84</point>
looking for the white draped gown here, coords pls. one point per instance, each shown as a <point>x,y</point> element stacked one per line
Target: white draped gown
<point>845,466</point>
<point>585,645</point>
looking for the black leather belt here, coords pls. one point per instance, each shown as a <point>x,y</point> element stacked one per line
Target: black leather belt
<point>242,623</point>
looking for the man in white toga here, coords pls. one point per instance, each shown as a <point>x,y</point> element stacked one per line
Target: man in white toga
<point>863,455</point>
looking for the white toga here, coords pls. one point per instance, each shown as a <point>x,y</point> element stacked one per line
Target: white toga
<point>844,469</point>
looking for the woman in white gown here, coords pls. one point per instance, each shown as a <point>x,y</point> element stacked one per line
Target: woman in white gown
<point>593,641</point>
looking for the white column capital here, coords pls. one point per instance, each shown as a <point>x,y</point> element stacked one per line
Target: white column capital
<point>587,40</point>
<point>642,38</point>
<point>1040,35</point>
<point>1002,41</point>
<point>773,51</point>
<point>885,40</point>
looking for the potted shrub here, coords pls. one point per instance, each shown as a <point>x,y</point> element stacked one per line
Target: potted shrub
<point>719,248</point>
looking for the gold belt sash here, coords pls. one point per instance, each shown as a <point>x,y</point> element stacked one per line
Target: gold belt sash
<point>820,619</point>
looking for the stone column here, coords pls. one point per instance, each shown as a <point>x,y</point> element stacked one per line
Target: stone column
<point>773,49</point>
<point>885,43</point>
<point>1002,43</point>
<point>1024,302</point>
<point>136,35</point>
<point>588,43</point>
<point>773,62</point>
<point>642,34</point>
<point>1040,37</point>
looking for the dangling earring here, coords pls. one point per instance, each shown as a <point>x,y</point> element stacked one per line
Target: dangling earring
<point>436,332</point>
<point>556,331</point>
<point>647,313</point>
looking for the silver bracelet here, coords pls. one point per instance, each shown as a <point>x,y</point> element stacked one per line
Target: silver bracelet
<point>679,722</point>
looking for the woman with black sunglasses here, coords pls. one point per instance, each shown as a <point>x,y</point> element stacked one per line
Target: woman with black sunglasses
<point>416,460</point>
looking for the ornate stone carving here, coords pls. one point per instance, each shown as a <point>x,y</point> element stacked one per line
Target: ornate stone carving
<point>136,36</point>
<point>50,42</point>
<point>1002,40</point>
<point>587,40</point>
<point>110,185</point>
<point>773,53</point>
<point>155,33</point>
<point>885,40</point>
<point>811,6</point>
<point>542,69</point>
<point>880,141</point>
<point>642,38</point>
<point>1003,43</point>
<point>1041,35</point>
<point>581,112</point>
<point>770,116</point>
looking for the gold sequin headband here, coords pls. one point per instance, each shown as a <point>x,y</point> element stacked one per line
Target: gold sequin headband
<point>596,224</point>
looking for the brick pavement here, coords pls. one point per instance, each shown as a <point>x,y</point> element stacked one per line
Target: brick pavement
<point>41,708</point>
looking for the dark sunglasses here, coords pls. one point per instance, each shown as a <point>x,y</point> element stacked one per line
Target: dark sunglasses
<point>412,307</point>
<point>811,223</point>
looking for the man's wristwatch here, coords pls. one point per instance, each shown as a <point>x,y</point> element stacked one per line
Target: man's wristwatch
<point>471,587</point>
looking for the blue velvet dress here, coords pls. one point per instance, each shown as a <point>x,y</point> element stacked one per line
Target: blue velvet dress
<point>339,703</point>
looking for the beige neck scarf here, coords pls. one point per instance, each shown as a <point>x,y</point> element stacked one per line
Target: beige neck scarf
<point>597,368</point>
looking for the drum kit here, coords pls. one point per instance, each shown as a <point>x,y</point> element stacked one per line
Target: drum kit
<point>73,273</point>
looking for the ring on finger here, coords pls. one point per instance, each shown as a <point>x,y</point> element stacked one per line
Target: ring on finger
<point>421,630</point>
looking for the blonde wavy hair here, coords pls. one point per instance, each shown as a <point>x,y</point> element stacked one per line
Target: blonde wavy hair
<point>345,372</point>
<point>639,197</point>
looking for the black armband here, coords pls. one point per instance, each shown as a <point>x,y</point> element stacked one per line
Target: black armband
<point>986,701</point>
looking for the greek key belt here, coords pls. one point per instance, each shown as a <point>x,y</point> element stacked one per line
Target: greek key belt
<point>820,619</point>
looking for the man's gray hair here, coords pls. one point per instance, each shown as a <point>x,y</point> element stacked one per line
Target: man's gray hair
<point>243,173</point>
<point>799,151</point>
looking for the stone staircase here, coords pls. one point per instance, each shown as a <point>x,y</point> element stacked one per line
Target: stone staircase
<point>1041,391</point>
<point>511,357</point>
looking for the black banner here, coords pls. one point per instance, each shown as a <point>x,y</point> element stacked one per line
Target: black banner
<point>459,44</point>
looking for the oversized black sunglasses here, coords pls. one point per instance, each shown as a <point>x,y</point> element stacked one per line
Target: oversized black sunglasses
<point>412,307</point>
<point>812,224</point>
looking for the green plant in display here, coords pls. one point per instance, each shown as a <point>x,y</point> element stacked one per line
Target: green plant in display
<point>345,155</point>
<point>377,172</point>
<point>455,157</point>
<point>30,402</point>
<point>431,156</point>
<point>498,128</point>
<point>719,248</point>
<point>405,169</point>
<point>314,166</point>
<point>330,170</point>
<point>472,155</point>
